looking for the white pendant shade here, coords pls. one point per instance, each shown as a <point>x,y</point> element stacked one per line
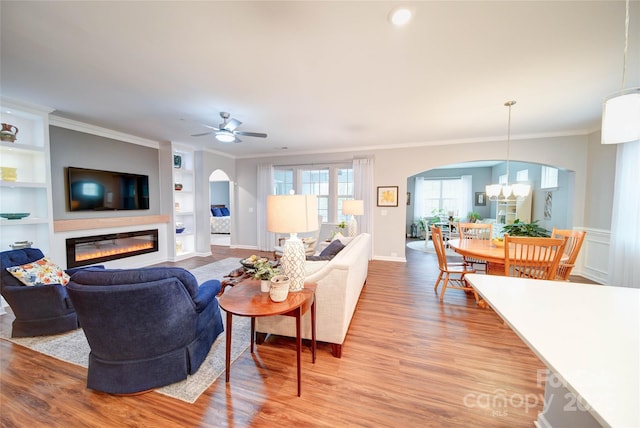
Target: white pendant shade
<point>621,117</point>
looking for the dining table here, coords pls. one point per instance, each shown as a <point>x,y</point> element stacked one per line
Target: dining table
<point>481,249</point>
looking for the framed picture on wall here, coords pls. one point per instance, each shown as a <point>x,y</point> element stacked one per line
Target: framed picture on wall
<point>481,199</point>
<point>387,196</point>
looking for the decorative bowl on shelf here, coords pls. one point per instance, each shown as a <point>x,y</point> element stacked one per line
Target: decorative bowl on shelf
<point>179,229</point>
<point>14,216</point>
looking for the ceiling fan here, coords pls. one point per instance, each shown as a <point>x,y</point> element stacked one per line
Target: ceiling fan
<point>226,131</point>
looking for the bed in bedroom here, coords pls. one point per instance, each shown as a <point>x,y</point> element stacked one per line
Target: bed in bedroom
<point>220,219</point>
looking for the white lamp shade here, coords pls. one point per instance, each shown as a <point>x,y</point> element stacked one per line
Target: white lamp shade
<point>353,207</point>
<point>621,117</point>
<point>292,213</point>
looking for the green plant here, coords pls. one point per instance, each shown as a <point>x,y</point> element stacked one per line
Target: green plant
<point>474,216</point>
<point>263,269</point>
<point>526,229</point>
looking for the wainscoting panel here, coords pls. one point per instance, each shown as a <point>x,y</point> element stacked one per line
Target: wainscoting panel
<point>593,261</point>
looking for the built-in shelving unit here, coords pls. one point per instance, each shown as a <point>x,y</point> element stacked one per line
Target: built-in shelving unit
<point>507,211</point>
<point>29,191</point>
<point>177,179</point>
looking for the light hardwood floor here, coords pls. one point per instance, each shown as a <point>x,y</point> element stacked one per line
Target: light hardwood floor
<point>408,360</point>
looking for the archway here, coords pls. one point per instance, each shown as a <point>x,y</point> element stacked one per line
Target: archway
<point>549,206</point>
<point>219,201</point>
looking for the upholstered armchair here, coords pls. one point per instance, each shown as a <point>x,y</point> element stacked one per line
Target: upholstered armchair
<point>40,310</point>
<point>146,327</point>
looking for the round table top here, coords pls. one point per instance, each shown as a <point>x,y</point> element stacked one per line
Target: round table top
<point>246,299</point>
<point>482,249</point>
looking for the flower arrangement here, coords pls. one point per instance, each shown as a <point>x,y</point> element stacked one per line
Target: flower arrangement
<point>263,269</point>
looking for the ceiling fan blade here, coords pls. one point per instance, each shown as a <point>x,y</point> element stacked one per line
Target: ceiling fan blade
<point>201,134</point>
<point>237,140</point>
<point>251,134</point>
<point>232,124</point>
<point>210,127</point>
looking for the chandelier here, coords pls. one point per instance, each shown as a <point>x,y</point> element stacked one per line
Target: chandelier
<point>621,111</point>
<point>499,192</point>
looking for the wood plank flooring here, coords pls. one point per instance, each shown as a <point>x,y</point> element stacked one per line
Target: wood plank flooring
<point>408,360</point>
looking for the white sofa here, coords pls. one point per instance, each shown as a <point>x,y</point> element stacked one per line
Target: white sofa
<point>339,283</point>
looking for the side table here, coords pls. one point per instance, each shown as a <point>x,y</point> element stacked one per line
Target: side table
<point>246,300</point>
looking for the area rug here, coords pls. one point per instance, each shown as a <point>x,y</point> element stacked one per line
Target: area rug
<point>428,248</point>
<point>72,347</point>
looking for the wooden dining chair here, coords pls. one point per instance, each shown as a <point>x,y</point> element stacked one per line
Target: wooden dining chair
<point>452,274</point>
<point>479,231</point>
<point>532,257</point>
<point>571,250</point>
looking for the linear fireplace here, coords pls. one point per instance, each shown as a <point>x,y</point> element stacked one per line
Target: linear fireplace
<point>89,250</point>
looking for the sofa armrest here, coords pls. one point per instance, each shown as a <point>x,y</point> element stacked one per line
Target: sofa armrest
<point>206,294</point>
<point>37,300</point>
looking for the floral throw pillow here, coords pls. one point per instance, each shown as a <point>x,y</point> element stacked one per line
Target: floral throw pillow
<point>40,272</point>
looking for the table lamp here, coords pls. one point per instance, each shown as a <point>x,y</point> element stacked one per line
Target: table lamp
<point>292,214</point>
<point>353,207</point>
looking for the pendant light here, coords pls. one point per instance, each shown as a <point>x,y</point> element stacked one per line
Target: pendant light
<point>499,192</point>
<point>621,111</point>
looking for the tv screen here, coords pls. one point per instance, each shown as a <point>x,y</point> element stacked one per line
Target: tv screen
<point>96,190</point>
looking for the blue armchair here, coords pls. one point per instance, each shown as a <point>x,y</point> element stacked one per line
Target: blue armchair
<point>146,327</point>
<point>40,310</point>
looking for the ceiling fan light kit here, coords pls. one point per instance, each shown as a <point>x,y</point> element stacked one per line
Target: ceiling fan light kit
<point>226,131</point>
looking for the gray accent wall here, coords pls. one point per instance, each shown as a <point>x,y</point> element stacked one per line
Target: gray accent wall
<point>74,148</point>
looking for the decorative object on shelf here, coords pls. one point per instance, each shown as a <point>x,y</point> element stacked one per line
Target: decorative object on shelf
<point>279,288</point>
<point>498,192</point>
<point>179,247</point>
<point>177,206</point>
<point>8,133</point>
<point>14,216</point>
<point>388,196</point>
<point>353,207</point>
<point>179,227</point>
<point>177,161</point>
<point>177,186</point>
<point>293,214</point>
<point>8,173</point>
<point>620,111</point>
<point>18,245</point>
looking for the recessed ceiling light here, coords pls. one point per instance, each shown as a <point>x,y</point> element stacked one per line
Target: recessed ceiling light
<point>400,16</point>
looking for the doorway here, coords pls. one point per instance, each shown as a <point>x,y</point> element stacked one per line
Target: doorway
<point>219,201</point>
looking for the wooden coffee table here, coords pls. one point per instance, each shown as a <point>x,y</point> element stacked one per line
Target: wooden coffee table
<point>246,300</point>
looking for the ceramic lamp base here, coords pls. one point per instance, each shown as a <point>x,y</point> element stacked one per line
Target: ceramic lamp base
<point>353,227</point>
<point>293,262</point>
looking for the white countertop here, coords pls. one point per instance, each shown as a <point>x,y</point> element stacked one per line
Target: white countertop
<point>587,334</point>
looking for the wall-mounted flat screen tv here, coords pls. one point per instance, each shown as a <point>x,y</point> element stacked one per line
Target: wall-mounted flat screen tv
<point>96,190</point>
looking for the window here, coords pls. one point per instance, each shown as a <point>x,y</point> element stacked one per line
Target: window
<point>522,175</point>
<point>282,181</point>
<point>433,196</point>
<point>332,184</point>
<point>548,177</point>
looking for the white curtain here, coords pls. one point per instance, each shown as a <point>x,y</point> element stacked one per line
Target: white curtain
<point>363,188</point>
<point>465,203</point>
<point>266,240</point>
<point>418,205</point>
<point>624,253</point>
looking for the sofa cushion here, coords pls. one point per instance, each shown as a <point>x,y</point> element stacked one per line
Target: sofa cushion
<point>40,272</point>
<point>333,248</point>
